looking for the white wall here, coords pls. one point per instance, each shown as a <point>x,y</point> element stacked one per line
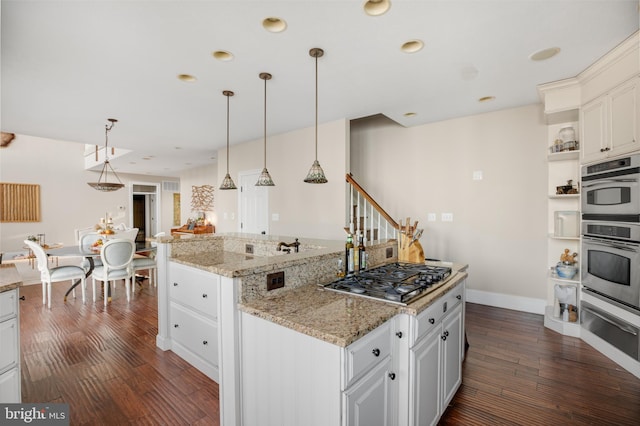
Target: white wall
<point>304,209</point>
<point>206,175</point>
<point>66,201</point>
<point>500,222</point>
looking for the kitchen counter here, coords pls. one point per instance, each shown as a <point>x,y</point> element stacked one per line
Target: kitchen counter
<point>338,318</point>
<point>9,277</point>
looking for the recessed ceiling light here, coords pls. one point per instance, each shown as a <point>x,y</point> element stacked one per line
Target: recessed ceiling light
<point>544,54</point>
<point>486,99</point>
<point>274,25</point>
<point>186,78</point>
<point>146,158</point>
<point>412,46</point>
<point>410,114</point>
<point>222,55</point>
<point>178,147</point>
<point>377,7</point>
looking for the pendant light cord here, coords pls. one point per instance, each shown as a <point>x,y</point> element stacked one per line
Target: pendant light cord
<point>227,133</point>
<point>316,55</point>
<point>265,123</point>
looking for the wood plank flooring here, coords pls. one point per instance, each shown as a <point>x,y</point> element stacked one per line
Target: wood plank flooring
<point>104,362</point>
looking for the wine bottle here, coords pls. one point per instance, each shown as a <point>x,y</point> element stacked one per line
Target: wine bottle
<point>362,255</point>
<point>349,254</point>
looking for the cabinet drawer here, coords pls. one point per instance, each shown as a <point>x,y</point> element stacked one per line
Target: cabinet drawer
<point>10,387</point>
<point>8,304</point>
<point>194,289</point>
<point>430,318</point>
<point>365,353</point>
<point>196,333</point>
<point>9,350</point>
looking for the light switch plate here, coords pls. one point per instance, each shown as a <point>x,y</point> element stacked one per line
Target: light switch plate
<point>477,175</point>
<point>447,217</point>
<point>431,217</point>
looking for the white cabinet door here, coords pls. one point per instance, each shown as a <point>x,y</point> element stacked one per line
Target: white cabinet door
<point>367,403</point>
<point>10,387</point>
<point>593,130</point>
<point>452,348</point>
<point>624,119</point>
<point>425,364</point>
<point>9,356</point>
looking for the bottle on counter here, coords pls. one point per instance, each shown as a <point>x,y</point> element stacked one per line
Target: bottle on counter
<point>349,254</point>
<point>356,254</point>
<point>362,255</point>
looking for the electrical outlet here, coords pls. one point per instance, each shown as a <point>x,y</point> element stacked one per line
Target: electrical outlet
<point>447,217</point>
<point>389,252</point>
<point>248,248</point>
<point>431,217</point>
<point>477,175</point>
<point>275,280</point>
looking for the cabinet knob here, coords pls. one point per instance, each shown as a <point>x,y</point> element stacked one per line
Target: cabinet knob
<point>204,296</point>
<point>459,297</point>
<point>22,298</point>
<point>175,326</point>
<point>432,320</point>
<point>443,337</point>
<point>376,352</point>
<point>446,333</point>
<point>392,376</point>
<point>175,284</point>
<point>399,334</point>
<point>204,342</point>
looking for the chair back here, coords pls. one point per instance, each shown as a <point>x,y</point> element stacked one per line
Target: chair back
<point>41,256</point>
<point>129,234</point>
<point>117,254</point>
<point>80,232</point>
<point>87,240</point>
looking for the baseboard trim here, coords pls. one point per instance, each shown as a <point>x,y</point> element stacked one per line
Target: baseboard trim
<point>499,300</point>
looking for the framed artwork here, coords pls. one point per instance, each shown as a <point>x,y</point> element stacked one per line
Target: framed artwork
<point>176,209</point>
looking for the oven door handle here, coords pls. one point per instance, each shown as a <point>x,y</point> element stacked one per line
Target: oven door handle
<point>600,182</point>
<point>610,244</point>
<point>612,322</point>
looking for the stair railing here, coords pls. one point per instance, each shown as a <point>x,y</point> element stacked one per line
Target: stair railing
<point>366,216</point>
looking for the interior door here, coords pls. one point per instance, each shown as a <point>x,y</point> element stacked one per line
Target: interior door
<point>254,204</point>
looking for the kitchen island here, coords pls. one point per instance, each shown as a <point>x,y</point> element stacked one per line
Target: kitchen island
<point>10,378</point>
<point>300,341</point>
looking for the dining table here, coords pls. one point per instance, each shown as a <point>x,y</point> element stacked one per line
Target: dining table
<point>91,254</point>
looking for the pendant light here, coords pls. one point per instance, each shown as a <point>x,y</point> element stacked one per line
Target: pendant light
<point>105,185</point>
<point>265,178</point>
<point>227,182</point>
<point>316,174</point>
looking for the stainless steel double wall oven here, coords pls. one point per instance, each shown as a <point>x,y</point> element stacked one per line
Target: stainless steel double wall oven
<point>610,255</point>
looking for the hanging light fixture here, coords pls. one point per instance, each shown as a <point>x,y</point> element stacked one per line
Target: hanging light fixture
<point>227,182</point>
<point>265,178</point>
<point>105,185</point>
<point>316,174</point>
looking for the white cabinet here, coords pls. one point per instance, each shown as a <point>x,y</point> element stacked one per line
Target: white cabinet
<point>610,123</point>
<point>368,401</point>
<point>10,383</point>
<point>193,318</point>
<point>435,360</point>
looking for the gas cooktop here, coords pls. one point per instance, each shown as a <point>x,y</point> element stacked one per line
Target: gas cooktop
<point>398,282</point>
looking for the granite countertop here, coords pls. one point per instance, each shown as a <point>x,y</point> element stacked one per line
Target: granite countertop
<point>9,277</point>
<point>337,318</point>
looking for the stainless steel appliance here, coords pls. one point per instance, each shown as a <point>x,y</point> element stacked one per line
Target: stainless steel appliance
<point>610,261</point>
<point>398,282</point>
<point>619,333</point>
<point>611,190</point>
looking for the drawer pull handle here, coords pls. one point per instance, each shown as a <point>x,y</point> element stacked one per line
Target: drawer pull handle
<point>432,320</point>
<point>175,284</point>
<point>204,342</point>
<point>376,352</point>
<point>175,326</point>
<point>459,297</point>
<point>399,334</point>
<point>392,376</point>
<point>204,296</point>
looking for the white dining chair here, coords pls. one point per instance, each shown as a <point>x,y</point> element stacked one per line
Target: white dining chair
<point>129,234</point>
<point>56,274</point>
<point>116,258</point>
<point>148,263</point>
<point>86,244</point>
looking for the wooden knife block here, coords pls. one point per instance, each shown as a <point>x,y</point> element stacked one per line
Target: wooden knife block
<point>410,253</point>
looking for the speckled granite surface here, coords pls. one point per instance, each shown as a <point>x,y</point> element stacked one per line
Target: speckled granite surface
<point>9,277</point>
<point>337,318</point>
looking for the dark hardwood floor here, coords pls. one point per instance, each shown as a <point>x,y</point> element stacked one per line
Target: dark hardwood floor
<point>105,364</point>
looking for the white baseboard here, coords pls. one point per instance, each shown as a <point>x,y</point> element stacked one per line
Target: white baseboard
<point>499,300</point>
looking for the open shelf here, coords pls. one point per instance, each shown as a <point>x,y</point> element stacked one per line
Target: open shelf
<point>565,196</point>
<point>556,324</point>
<point>564,155</point>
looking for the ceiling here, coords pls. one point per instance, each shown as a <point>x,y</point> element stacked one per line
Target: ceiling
<point>67,66</point>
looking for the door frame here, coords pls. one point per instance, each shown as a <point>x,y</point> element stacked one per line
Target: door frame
<point>157,214</point>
